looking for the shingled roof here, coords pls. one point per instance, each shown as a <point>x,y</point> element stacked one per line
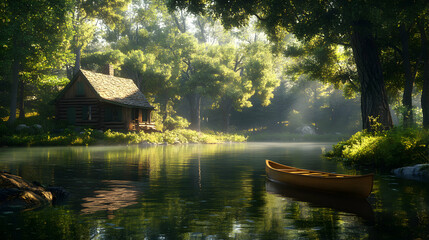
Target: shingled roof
<point>122,91</point>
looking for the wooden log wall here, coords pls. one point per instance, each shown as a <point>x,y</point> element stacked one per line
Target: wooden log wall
<point>78,104</point>
<point>117,126</point>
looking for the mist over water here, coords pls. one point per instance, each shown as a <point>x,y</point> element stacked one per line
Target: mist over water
<point>203,192</point>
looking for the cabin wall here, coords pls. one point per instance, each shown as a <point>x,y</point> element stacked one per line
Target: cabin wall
<point>103,115</point>
<point>79,84</point>
<point>80,106</point>
<point>79,111</point>
<point>113,117</point>
<point>128,118</point>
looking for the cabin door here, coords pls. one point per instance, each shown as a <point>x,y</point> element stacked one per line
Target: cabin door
<point>71,115</point>
<point>135,118</point>
<point>135,114</point>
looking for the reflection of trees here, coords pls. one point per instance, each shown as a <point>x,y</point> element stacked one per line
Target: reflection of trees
<point>285,218</point>
<point>410,204</point>
<point>196,192</point>
<point>49,223</point>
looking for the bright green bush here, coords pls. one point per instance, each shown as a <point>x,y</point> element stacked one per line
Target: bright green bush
<point>89,136</point>
<point>268,135</point>
<point>177,122</point>
<point>190,135</point>
<point>397,147</point>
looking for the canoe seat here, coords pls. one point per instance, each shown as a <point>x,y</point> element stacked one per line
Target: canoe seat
<point>316,174</point>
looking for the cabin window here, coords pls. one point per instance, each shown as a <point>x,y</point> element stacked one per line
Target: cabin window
<point>87,112</point>
<point>71,115</point>
<point>145,115</point>
<point>113,114</point>
<point>80,89</point>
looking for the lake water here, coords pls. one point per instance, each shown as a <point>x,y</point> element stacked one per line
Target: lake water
<point>204,192</point>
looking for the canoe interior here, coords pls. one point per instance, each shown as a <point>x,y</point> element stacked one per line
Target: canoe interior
<point>305,172</point>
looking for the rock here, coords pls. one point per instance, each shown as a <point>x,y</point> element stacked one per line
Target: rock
<point>21,127</point>
<point>18,194</point>
<point>37,128</point>
<point>418,172</point>
<point>307,130</point>
<point>59,194</point>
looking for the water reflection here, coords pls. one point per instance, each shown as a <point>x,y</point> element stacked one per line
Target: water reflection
<point>119,194</point>
<point>356,206</point>
<point>203,192</point>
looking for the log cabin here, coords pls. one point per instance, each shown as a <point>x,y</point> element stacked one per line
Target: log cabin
<point>104,101</point>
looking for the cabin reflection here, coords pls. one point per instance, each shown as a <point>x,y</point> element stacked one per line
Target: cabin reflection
<point>118,194</point>
<point>342,203</point>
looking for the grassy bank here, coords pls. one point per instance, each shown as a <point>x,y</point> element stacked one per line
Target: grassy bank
<point>88,136</point>
<point>384,150</point>
<point>264,136</point>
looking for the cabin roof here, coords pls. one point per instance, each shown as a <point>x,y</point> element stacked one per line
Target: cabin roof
<point>116,90</point>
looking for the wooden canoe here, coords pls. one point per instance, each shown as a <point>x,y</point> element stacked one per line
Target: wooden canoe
<point>353,185</point>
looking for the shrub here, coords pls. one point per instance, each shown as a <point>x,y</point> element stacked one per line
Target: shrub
<point>191,136</point>
<point>397,147</point>
<point>177,122</point>
<point>89,136</point>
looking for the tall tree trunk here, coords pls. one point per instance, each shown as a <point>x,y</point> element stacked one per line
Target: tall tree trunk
<point>201,25</point>
<point>78,53</point>
<point>226,107</point>
<point>165,115</point>
<point>425,91</point>
<point>21,99</point>
<point>195,105</point>
<point>69,71</point>
<point>180,23</point>
<point>14,89</point>
<point>373,93</point>
<point>407,101</point>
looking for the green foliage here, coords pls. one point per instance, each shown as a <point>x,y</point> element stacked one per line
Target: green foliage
<point>42,92</point>
<point>98,60</point>
<point>329,32</point>
<point>176,136</point>
<point>88,136</point>
<point>327,63</point>
<point>385,150</point>
<point>118,137</point>
<point>176,122</point>
<point>34,40</point>
<point>269,136</point>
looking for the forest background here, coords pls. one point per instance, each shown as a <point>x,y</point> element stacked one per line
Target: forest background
<point>244,78</point>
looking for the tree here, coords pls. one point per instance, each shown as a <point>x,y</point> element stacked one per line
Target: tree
<point>158,69</point>
<point>425,75</point>
<point>97,61</point>
<point>346,22</point>
<point>201,78</point>
<point>235,90</point>
<point>33,35</point>
<point>84,14</point>
<point>245,72</point>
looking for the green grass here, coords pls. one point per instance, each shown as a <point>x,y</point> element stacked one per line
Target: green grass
<point>90,137</point>
<point>268,136</point>
<point>386,150</point>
